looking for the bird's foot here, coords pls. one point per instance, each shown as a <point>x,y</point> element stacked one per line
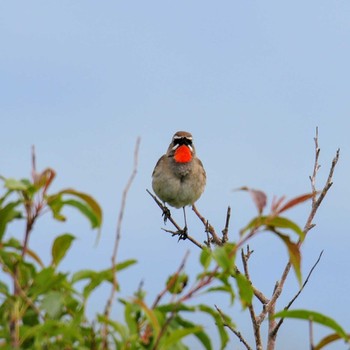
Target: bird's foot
<point>166,214</point>
<point>182,234</point>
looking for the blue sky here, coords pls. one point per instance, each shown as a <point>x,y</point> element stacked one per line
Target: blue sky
<point>251,81</point>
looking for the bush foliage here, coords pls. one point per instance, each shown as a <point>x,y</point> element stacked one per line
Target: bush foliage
<point>42,307</point>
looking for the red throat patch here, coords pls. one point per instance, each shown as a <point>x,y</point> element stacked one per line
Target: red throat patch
<point>183,154</point>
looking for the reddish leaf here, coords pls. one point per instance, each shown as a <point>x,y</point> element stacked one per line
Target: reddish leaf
<point>44,179</point>
<point>259,197</point>
<point>276,203</point>
<point>295,201</point>
<point>327,340</point>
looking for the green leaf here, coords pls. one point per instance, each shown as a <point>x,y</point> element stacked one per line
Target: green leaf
<point>89,274</point>
<point>120,328</point>
<point>85,210</point>
<point>150,315</point>
<point>225,288</point>
<point>314,317</point>
<point>53,304</point>
<point>125,264</point>
<point>176,335</point>
<point>90,201</point>
<point>16,185</point>
<point>201,335</point>
<point>282,222</point>
<point>176,283</point>
<point>225,256</point>
<point>15,244</point>
<point>205,257</point>
<point>3,198</point>
<point>96,278</point>
<point>245,290</point>
<point>45,281</point>
<point>83,202</point>
<point>294,254</point>
<point>60,247</point>
<point>56,203</point>
<point>273,221</point>
<point>129,311</point>
<point>64,331</point>
<point>7,214</point>
<point>4,288</point>
<point>219,324</point>
<point>175,308</point>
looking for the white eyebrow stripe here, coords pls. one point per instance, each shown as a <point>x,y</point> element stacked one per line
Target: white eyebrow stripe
<point>182,137</point>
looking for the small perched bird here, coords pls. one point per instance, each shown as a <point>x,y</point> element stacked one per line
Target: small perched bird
<point>179,177</point>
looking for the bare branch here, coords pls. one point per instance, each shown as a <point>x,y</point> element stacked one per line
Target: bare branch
<point>311,335</point>
<point>256,325</point>
<point>116,242</point>
<point>234,331</point>
<point>275,330</point>
<point>209,228</point>
<point>316,202</point>
<point>225,230</point>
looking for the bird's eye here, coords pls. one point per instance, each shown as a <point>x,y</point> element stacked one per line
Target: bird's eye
<point>183,141</point>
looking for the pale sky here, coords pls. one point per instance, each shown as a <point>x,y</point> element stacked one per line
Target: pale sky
<point>250,80</point>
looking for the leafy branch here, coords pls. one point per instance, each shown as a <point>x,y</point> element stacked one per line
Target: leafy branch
<point>274,223</point>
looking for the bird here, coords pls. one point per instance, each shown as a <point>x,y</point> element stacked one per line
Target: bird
<point>179,177</point>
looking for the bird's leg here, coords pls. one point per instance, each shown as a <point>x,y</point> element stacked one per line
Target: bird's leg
<point>166,213</point>
<point>183,233</point>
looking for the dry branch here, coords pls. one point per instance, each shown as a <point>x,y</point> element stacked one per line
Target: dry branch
<point>316,202</point>
<point>110,300</point>
<point>234,331</point>
<point>276,327</point>
<point>208,228</point>
<point>225,230</point>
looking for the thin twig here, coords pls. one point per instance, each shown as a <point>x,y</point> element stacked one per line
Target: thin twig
<point>33,163</point>
<point>311,334</point>
<point>171,283</point>
<point>209,228</point>
<point>170,218</point>
<point>316,201</point>
<point>275,330</point>
<point>116,242</point>
<point>234,331</point>
<point>256,325</point>
<point>224,238</point>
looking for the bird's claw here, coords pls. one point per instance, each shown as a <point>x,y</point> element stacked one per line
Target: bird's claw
<point>182,234</point>
<point>166,214</point>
